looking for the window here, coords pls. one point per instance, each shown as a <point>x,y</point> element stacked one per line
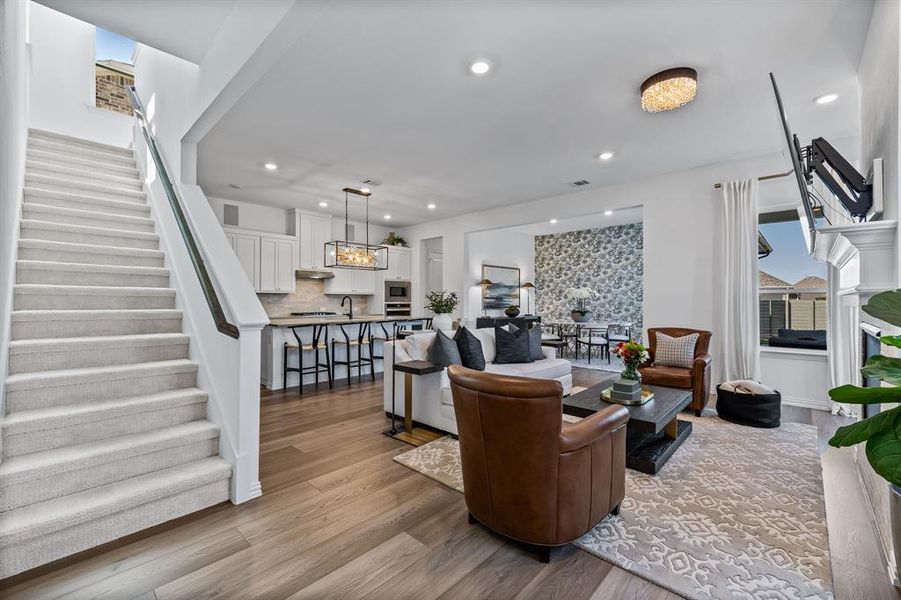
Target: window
<point>793,296</point>
<point>113,71</point>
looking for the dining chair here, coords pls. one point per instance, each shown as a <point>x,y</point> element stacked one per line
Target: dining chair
<point>593,337</point>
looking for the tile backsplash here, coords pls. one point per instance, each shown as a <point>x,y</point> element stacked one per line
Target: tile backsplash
<point>310,296</point>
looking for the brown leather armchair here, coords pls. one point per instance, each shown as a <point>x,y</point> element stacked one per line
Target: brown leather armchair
<point>696,379</point>
<point>528,475</point>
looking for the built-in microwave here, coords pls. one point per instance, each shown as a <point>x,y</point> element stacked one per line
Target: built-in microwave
<point>397,291</point>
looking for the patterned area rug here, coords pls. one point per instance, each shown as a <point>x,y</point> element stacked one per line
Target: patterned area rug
<point>737,512</point>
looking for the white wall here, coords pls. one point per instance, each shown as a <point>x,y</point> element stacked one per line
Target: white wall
<point>62,81</point>
<point>879,88</point>
<point>497,247</point>
<point>681,216</point>
<point>14,90</point>
<point>256,216</point>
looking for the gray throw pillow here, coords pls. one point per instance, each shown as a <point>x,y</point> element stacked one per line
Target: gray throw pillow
<point>535,343</point>
<point>443,351</point>
<point>470,349</point>
<point>511,346</point>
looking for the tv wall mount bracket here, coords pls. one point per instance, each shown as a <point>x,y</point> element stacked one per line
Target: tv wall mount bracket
<point>854,191</point>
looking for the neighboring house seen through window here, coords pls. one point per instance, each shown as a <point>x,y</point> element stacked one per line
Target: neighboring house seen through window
<point>792,286</point>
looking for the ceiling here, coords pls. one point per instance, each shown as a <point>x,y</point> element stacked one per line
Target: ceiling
<point>183,28</point>
<point>622,216</point>
<point>381,90</point>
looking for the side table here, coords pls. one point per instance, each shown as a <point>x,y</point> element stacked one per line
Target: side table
<point>415,436</point>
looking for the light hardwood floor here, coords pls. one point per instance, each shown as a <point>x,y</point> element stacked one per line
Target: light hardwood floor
<point>339,518</point>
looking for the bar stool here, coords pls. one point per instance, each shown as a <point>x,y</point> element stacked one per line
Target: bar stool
<point>381,336</point>
<point>362,339</point>
<point>320,342</point>
<point>594,339</point>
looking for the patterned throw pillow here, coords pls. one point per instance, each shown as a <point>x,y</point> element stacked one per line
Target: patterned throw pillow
<point>470,349</point>
<point>675,352</point>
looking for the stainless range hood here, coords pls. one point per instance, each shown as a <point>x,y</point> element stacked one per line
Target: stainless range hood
<point>314,274</point>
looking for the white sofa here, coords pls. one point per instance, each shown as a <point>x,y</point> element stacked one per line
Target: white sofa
<point>432,401</point>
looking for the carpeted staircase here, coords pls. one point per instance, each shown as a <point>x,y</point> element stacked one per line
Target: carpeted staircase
<point>105,431</point>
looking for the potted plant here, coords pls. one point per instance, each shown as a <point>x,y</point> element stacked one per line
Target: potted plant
<point>512,311</point>
<point>633,354</point>
<point>580,295</point>
<point>881,432</point>
<point>442,303</point>
<point>392,239</point>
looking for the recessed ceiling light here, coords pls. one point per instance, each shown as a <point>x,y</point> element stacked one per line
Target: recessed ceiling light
<point>479,66</point>
<point>365,190</point>
<point>608,212</point>
<point>430,206</point>
<point>270,166</point>
<point>553,221</point>
<point>826,98</point>
<point>387,217</point>
<point>605,155</point>
<point>323,204</point>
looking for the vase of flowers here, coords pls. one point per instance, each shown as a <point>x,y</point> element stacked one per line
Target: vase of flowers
<point>580,296</point>
<point>442,303</point>
<point>633,354</point>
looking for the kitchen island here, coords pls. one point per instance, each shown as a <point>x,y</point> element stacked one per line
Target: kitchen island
<point>279,331</point>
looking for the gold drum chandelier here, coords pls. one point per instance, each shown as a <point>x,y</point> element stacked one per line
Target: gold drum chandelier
<point>345,254</point>
<point>669,89</point>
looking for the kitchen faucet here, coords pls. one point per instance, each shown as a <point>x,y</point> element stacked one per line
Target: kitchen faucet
<point>350,315</point>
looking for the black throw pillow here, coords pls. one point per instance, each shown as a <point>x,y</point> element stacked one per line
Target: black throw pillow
<point>470,349</point>
<point>443,351</point>
<point>535,343</point>
<point>511,346</point>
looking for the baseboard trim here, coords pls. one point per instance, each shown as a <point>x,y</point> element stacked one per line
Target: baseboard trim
<point>806,403</point>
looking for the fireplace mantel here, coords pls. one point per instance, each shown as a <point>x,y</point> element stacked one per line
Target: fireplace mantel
<point>864,253</point>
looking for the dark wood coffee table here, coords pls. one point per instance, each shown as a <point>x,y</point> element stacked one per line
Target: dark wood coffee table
<point>653,432</point>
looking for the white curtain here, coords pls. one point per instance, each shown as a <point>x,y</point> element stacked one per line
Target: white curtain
<point>842,338</point>
<point>740,325</point>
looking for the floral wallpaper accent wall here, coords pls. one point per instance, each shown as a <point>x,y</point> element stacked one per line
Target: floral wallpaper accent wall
<point>608,260</point>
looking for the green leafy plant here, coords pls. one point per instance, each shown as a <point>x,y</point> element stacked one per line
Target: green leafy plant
<point>392,239</point>
<point>881,432</point>
<point>441,302</point>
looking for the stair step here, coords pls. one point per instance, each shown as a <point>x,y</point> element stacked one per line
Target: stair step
<point>84,174</point>
<point>80,143</point>
<point>28,356</point>
<point>42,389</point>
<point>63,184</point>
<point>37,195</point>
<point>88,218</point>
<point>89,254</point>
<point>61,273</point>
<point>84,153</point>
<point>41,476</point>
<point>44,429</point>
<point>38,296</point>
<point>124,168</point>
<point>36,324</point>
<point>49,530</point>
<point>80,234</point>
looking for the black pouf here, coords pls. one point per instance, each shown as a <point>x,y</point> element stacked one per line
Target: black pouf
<point>753,410</point>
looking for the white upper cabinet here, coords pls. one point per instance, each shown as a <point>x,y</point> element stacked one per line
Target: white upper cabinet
<point>400,264</point>
<point>268,260</point>
<point>351,281</point>
<point>315,231</point>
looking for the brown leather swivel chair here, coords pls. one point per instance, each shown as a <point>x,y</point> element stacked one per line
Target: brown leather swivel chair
<point>528,475</point>
<point>696,379</point>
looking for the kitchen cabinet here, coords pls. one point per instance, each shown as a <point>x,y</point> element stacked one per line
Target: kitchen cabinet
<point>247,249</point>
<point>400,264</point>
<point>351,281</point>
<point>268,260</point>
<point>315,231</point>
